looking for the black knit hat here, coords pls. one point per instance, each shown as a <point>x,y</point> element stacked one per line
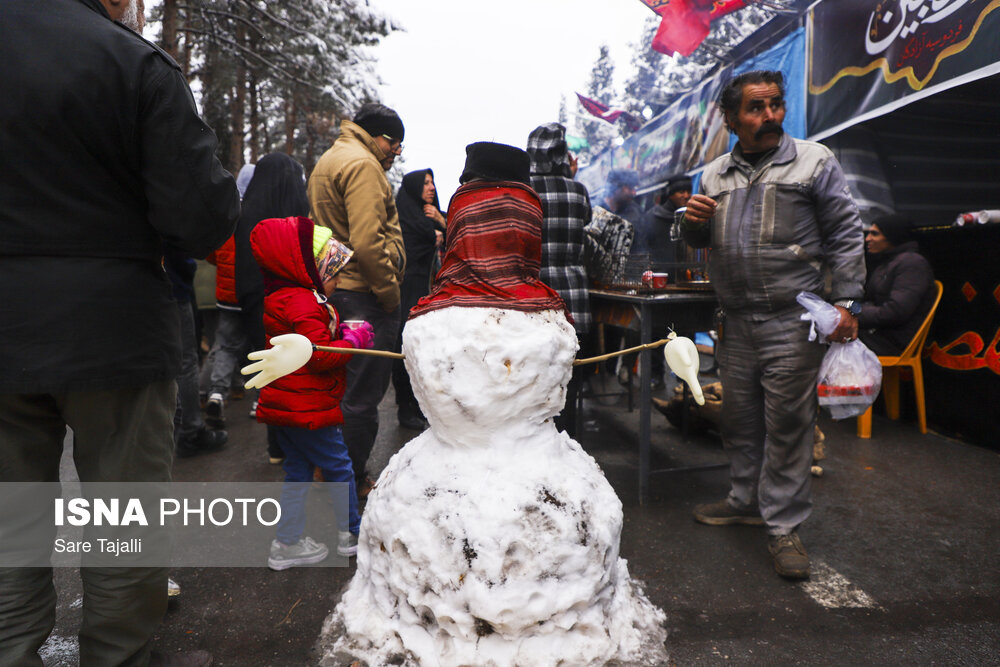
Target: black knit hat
<point>377,119</point>
<point>677,183</point>
<point>898,229</point>
<point>495,162</point>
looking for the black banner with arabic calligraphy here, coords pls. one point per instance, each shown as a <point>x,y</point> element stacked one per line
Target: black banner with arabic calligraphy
<point>866,56</point>
<point>961,359</point>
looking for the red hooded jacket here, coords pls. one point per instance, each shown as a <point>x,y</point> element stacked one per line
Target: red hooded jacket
<point>294,303</point>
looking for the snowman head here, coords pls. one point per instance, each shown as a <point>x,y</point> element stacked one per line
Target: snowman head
<point>479,372</point>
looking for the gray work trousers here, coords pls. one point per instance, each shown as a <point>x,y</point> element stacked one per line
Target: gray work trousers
<point>769,371</point>
<point>118,435</point>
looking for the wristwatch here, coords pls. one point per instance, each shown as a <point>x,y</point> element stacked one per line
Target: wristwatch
<point>852,306</point>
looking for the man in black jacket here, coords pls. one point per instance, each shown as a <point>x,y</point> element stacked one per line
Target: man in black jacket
<point>103,162</point>
<point>653,233</point>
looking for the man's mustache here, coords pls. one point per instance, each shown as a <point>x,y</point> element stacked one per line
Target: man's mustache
<point>768,128</point>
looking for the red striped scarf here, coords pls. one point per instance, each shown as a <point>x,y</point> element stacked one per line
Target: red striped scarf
<point>494,252</point>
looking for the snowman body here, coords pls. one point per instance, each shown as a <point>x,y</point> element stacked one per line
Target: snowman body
<point>492,538</point>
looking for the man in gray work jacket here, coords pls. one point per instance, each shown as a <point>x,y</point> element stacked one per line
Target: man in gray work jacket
<point>779,218</point>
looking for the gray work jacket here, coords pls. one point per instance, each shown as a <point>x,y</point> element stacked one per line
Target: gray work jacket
<point>780,228</point>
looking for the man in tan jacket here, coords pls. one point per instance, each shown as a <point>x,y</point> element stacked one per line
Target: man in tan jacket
<point>350,194</point>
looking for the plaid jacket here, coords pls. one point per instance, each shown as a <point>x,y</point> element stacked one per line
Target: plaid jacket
<point>565,210</point>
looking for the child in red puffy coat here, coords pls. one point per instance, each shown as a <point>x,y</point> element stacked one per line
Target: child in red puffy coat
<point>299,262</point>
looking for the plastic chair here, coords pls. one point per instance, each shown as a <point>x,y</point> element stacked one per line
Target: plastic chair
<point>909,358</point>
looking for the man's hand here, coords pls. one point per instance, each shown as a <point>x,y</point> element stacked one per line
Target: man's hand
<point>847,328</point>
<point>700,209</point>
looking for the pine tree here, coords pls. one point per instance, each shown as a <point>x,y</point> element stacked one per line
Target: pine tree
<point>642,87</point>
<point>679,74</point>
<point>656,80</point>
<point>278,76</point>
<point>599,134</point>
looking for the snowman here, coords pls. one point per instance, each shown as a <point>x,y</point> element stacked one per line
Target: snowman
<point>492,538</point>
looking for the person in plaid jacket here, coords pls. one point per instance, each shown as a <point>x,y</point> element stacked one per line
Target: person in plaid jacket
<point>565,210</point>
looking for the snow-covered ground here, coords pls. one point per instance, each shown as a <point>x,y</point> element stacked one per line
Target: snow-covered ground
<point>492,539</point>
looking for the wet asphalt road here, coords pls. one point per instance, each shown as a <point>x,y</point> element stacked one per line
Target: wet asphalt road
<point>904,540</point>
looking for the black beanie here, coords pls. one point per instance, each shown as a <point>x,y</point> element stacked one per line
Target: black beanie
<point>898,229</point>
<point>677,183</point>
<point>377,119</point>
<point>495,162</point>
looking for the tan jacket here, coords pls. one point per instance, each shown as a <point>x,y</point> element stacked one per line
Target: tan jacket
<point>349,193</point>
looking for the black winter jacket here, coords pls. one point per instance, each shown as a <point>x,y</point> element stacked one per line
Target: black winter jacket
<point>103,160</point>
<point>652,237</point>
<point>899,292</point>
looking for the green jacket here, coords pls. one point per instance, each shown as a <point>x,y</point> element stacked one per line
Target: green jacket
<point>349,193</point>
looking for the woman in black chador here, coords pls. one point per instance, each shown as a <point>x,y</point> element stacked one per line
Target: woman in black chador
<point>276,190</point>
<point>423,227</point>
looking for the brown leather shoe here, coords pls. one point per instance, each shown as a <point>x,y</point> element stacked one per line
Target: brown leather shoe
<point>182,659</point>
<point>723,514</point>
<point>790,557</point>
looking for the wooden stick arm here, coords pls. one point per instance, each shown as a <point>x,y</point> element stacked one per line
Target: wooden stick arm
<point>353,350</point>
<point>290,352</point>
<point>612,355</point>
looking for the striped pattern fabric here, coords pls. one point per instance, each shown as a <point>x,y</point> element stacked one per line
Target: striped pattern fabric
<point>493,253</point>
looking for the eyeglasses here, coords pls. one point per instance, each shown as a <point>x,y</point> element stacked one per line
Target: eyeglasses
<point>398,148</point>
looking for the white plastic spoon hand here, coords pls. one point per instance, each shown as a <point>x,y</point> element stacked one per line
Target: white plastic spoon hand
<point>287,354</point>
<point>682,357</point>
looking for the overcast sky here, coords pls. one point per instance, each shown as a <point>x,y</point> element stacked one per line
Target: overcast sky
<point>471,70</point>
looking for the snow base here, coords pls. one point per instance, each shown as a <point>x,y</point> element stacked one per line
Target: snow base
<point>492,539</point>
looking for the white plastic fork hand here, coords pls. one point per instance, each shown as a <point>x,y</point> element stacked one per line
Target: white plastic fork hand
<point>287,354</point>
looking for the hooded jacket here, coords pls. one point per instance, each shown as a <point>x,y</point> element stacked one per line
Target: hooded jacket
<point>898,295</point>
<point>565,212</point>
<point>652,237</point>
<point>294,303</point>
<point>350,194</point>
<point>104,162</point>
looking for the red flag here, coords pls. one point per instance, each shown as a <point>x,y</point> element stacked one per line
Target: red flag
<point>593,106</point>
<point>604,112</point>
<point>685,23</point>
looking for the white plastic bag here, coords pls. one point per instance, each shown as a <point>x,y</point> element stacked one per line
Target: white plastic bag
<point>825,317</point>
<point>849,379</point>
<point>850,376</point>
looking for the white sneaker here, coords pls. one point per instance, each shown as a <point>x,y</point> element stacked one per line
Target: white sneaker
<point>213,410</point>
<point>347,543</point>
<point>173,588</point>
<point>304,552</point>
